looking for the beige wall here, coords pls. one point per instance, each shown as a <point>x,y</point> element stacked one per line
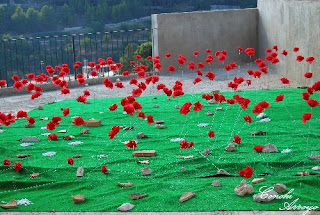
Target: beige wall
<point>183,33</point>
<point>290,23</point>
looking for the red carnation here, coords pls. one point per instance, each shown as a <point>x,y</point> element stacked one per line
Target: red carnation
<point>285,81</point>
<point>246,172</point>
<point>300,58</point>
<point>185,109</point>
<point>51,126</point>
<point>195,53</point>
<point>31,120</point>
<point>310,60</point>
<point>78,121</point>
<point>52,136</point>
<point>17,166</point>
<point>132,144</point>
<point>306,117</point>
<point>114,131</point>
<point>104,169</point>
<point>284,52</point>
<point>18,85</point>
<point>113,107</point>
<point>258,148</point>
<point>126,73</point>
<point>308,75</point>
<point>210,76</point>
<point>171,68</point>
<point>279,98</point>
<point>86,93</point>
<point>312,102</point>
<point>295,49</point>
<point>197,80</point>
<point>3,83</point>
<point>6,162</point>
<point>150,119</point>
<point>22,114</point>
<point>197,106</point>
<point>94,73</point>
<point>237,139</point>
<point>247,118</point>
<point>305,95</point>
<point>70,161</point>
<point>65,91</point>
<point>185,145</point>
<point>65,112</point>
<point>168,55</point>
<point>208,51</point>
<point>211,134</point>
<point>82,99</point>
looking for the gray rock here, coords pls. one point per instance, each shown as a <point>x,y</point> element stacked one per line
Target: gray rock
<point>280,188</point>
<point>316,168</point>
<point>212,101</point>
<point>265,197</point>
<point>222,172</point>
<point>243,189</point>
<point>125,207</point>
<point>186,196</point>
<point>183,169</point>
<point>156,106</point>
<point>77,156</point>
<point>177,106</point>
<point>28,125</point>
<point>128,128</point>
<point>40,108</point>
<point>84,131</point>
<point>80,172</point>
<point>135,196</point>
<point>216,183</point>
<point>146,171</point>
<point>314,157</point>
<point>141,135</point>
<point>258,133</point>
<point>30,139</point>
<point>158,121</point>
<point>257,180</point>
<point>160,126</point>
<point>206,152</point>
<point>230,148</point>
<point>209,113</point>
<point>269,148</point>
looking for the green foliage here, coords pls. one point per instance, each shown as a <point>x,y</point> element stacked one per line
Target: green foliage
<point>66,15</point>
<point>128,57</point>
<point>96,26</point>
<point>145,50</point>
<point>19,20</point>
<point>33,20</point>
<point>48,17</point>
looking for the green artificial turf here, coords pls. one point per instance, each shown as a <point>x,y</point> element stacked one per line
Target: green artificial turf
<point>52,190</point>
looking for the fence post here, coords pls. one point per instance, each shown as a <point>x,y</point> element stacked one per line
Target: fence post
<point>74,55</point>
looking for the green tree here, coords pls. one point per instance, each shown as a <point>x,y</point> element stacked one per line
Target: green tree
<point>128,56</point>
<point>19,20</point>
<point>33,19</point>
<point>89,15</point>
<point>145,50</point>
<point>66,15</point>
<point>2,19</point>
<point>96,26</point>
<point>48,17</point>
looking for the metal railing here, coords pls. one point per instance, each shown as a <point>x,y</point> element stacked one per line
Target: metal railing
<point>31,55</point>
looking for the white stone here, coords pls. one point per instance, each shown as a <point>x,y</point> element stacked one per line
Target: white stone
<point>216,183</point>
<point>75,143</point>
<point>280,188</point>
<point>265,120</point>
<point>286,151</point>
<point>49,154</point>
<point>265,197</point>
<point>257,180</point>
<point>45,134</point>
<point>230,148</point>
<point>125,207</point>
<point>261,116</point>
<point>176,140</point>
<point>243,189</point>
<point>316,168</point>
<point>26,144</point>
<point>203,125</point>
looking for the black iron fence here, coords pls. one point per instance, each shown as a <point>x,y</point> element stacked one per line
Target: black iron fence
<point>31,55</point>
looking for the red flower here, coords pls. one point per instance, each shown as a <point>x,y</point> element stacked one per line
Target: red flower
<point>114,131</point>
<point>250,52</point>
<point>207,96</point>
<point>132,144</point>
<point>138,57</point>
<point>230,101</point>
<point>17,166</point>
<point>70,161</point>
<point>31,76</point>
<point>31,120</point>
<point>228,67</point>
<point>305,95</point>
<point>167,91</point>
<point>98,66</point>
<point>15,78</point>
<point>248,82</point>
<point>315,87</point>
<point>91,64</point>
<point>295,49</point>
<point>300,58</point>
<point>306,117</point>
<point>185,109</point>
<point>6,162</point>
<point>268,50</point>
<point>82,99</point>
<point>168,55</point>
<point>104,169</point>
<point>200,65</point>
<point>217,53</point>
<point>65,91</point>
<point>22,114</point>
<point>3,83</point>
<point>94,73</point>
<point>312,102</point>
<point>65,112</point>
<point>308,75</point>
<point>284,52</point>
<point>51,126</point>
<point>81,81</point>
<point>195,53</point>
<point>210,76</point>
<point>310,60</point>
<point>250,72</point>
<point>78,121</point>
<point>182,59</point>
<point>126,73</point>
<point>199,72</point>
<point>257,74</point>
<point>208,51</point>
<point>18,85</point>
<point>211,134</point>
<point>237,139</point>
<point>136,92</point>
<point>56,120</point>
<point>141,115</point>
<point>285,81</point>
<point>240,48</point>
<point>171,68</point>
<point>258,148</point>
<point>279,98</point>
<point>108,83</point>
<point>177,93</point>
<point>246,172</point>
<point>150,119</point>
<point>185,145</point>
<point>113,107</point>
<point>222,58</point>
<point>52,136</point>
<point>275,48</point>
<point>86,93</point>
<point>197,106</point>
<point>247,118</point>
<point>197,80</point>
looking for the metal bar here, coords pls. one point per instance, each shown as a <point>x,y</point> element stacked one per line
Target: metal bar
<point>17,63</point>
<point>40,66</point>
<point>74,55</point>
<point>5,61</point>
<point>22,55</point>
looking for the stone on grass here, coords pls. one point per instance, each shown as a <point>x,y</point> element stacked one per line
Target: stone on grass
<point>143,162</point>
<point>258,133</point>
<point>84,131</point>
<point>77,156</point>
<point>280,188</point>
<point>269,148</point>
<point>30,139</point>
<point>206,152</point>
<point>78,198</point>
<point>243,189</point>
<point>230,148</point>
<point>257,180</point>
<point>158,121</point>
<point>156,106</point>
<point>314,157</point>
<point>146,171</point>
<point>23,155</point>
<point>265,197</point>
<point>34,175</point>
<point>222,172</point>
<point>129,184</point>
<point>219,109</point>
<point>136,196</point>
<point>28,125</point>
<point>183,169</point>
<point>216,183</point>
<point>40,108</point>
<point>80,172</point>
<point>141,135</point>
<point>261,116</point>
<point>316,168</point>
<point>212,101</point>
<point>125,207</point>
<point>160,126</point>
<point>177,106</point>
<point>11,204</point>
<point>209,113</point>
<point>186,196</point>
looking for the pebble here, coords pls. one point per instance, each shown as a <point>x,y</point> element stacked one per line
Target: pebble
<point>230,148</point>
<point>219,109</point>
<point>222,172</point>
<point>143,162</point>
<point>158,121</point>
<point>129,184</point>
<point>243,189</point>
<point>304,173</point>
<point>216,183</point>
<point>316,168</point>
<point>280,188</point>
<point>186,196</point>
<point>30,139</point>
<point>269,148</point>
<point>286,151</point>
<point>34,175</point>
<point>160,126</point>
<point>206,152</point>
<point>128,128</point>
<point>141,135</point>
<point>80,172</point>
<point>257,180</point>
<point>136,196</point>
<point>201,125</point>
<point>28,125</point>
<point>261,116</point>
<point>68,137</point>
<point>24,202</point>
<point>125,207</point>
<point>209,113</point>
<point>176,140</point>
<point>156,106</point>
<point>23,155</point>
<point>265,197</point>
<point>75,143</point>
<point>258,133</point>
<point>77,156</point>
<point>44,118</point>
<point>314,157</point>
<point>40,108</point>
<point>185,157</point>
<point>265,120</point>
<point>183,169</point>
<point>62,131</point>
<point>49,154</point>
<point>84,131</point>
<point>146,171</point>
<point>177,106</point>
<point>212,101</point>
<point>1,131</point>
<point>26,144</point>
<point>78,198</point>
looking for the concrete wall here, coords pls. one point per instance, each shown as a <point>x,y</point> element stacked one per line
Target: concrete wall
<point>289,24</point>
<point>184,33</point>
